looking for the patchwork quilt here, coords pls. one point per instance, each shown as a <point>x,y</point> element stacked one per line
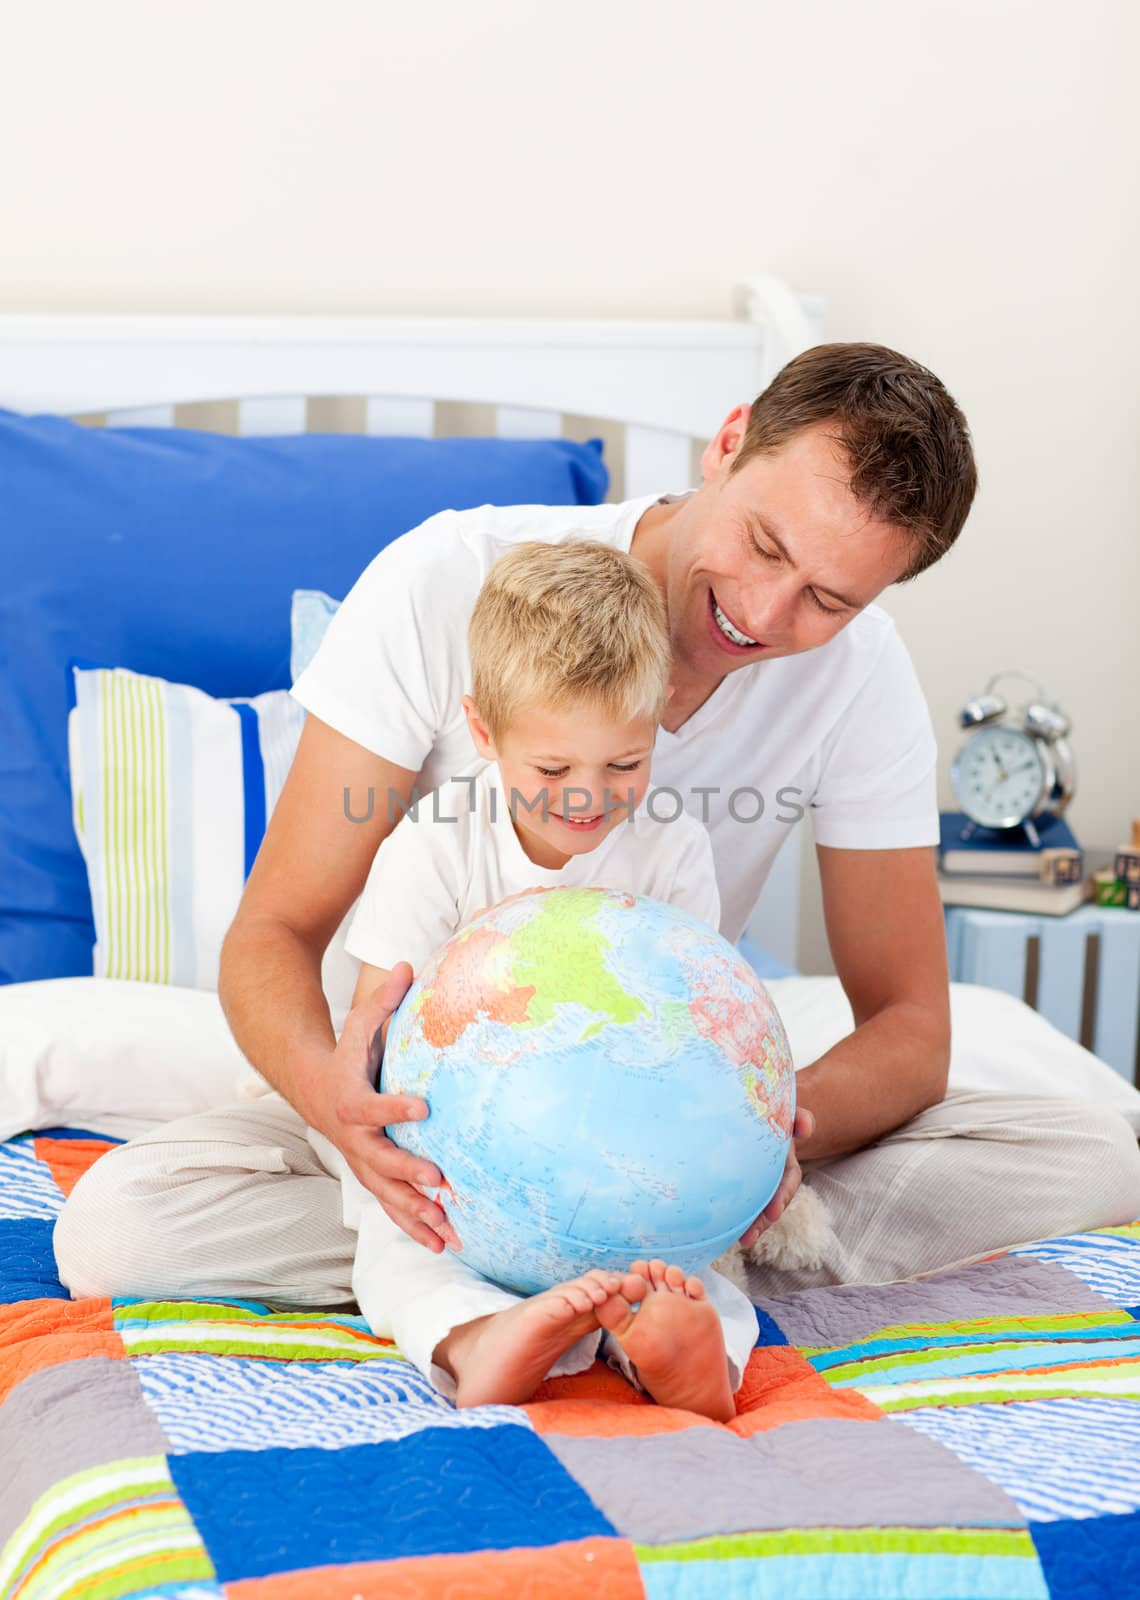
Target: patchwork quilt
<point>973,1435</point>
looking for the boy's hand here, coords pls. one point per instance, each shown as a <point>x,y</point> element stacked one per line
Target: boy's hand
<point>354,1116</point>
<point>802,1128</point>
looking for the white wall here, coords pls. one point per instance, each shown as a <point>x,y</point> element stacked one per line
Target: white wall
<point>958,179</point>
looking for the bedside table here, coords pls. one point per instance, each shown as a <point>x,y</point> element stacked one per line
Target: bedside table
<point>1081,972</point>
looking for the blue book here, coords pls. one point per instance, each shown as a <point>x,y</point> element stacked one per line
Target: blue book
<point>964,847</point>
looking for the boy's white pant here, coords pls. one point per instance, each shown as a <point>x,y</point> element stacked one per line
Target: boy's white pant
<point>416,1297</point>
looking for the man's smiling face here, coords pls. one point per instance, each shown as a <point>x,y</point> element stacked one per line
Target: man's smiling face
<point>776,558</point>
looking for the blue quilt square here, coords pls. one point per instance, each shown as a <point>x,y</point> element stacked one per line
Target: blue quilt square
<point>770,1330</point>
<point>1090,1558</point>
<point>27,1261</point>
<point>440,1491</point>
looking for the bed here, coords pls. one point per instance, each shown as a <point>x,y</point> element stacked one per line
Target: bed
<point>974,1434</point>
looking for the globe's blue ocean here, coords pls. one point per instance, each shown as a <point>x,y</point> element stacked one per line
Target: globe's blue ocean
<point>607,1079</point>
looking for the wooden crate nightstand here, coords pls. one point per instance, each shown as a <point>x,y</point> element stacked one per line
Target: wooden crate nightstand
<point>1081,972</point>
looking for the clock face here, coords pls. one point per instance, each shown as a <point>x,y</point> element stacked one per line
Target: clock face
<point>999,777</point>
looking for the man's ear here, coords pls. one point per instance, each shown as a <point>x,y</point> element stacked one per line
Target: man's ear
<point>718,454</point>
<point>480,733</point>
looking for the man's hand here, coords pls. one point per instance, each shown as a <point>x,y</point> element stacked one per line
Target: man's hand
<point>802,1128</point>
<point>353,1116</point>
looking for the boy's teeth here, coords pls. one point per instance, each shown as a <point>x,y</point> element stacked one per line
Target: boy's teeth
<point>727,628</point>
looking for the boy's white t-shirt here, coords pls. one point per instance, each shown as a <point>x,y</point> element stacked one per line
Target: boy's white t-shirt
<point>841,732</point>
<point>460,854</point>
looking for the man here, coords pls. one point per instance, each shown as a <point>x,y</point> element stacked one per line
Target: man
<point>790,691</point>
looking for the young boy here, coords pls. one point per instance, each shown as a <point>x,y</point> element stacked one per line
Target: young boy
<point>570,668</point>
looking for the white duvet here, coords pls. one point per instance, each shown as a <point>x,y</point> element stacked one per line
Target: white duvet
<point>119,1057</point>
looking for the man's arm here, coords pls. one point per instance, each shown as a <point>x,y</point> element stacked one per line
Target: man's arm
<point>311,866</point>
<point>885,929</point>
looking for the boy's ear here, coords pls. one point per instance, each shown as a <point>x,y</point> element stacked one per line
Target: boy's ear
<point>480,733</point>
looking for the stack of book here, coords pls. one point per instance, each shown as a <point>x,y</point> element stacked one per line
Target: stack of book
<point>1003,871</point>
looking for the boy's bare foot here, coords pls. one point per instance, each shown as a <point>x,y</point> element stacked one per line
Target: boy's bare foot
<point>501,1359</point>
<point>674,1340</point>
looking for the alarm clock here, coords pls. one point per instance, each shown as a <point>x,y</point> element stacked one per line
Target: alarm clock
<point>1016,764</point>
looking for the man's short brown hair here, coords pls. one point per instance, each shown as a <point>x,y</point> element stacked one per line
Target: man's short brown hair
<point>912,463</point>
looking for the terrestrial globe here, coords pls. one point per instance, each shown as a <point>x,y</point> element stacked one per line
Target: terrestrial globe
<point>607,1080</point>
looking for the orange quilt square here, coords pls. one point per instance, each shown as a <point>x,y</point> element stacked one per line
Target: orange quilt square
<point>46,1333</point>
<point>780,1385</point>
<point>600,1404</point>
<point>69,1159</point>
<point>605,1419</point>
<point>584,1569</point>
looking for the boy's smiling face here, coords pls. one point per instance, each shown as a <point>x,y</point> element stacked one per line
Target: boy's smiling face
<point>570,776</point>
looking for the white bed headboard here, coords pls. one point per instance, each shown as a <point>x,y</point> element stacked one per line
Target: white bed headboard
<point>662,384</point>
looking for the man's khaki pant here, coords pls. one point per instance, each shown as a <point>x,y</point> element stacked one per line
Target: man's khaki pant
<point>236,1203</point>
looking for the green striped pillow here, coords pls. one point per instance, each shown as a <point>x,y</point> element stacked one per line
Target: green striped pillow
<point>171,791</point>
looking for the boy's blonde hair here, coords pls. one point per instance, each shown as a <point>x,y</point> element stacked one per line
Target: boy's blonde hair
<point>561,624</point>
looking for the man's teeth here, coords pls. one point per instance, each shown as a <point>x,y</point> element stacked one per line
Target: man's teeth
<point>728,630</point>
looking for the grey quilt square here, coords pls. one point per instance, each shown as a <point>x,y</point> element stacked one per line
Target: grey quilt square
<point>1011,1286</point>
<point>816,1474</point>
<point>62,1420</point>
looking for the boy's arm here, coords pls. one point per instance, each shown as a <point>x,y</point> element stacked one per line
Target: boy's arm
<point>410,904</point>
<point>368,981</point>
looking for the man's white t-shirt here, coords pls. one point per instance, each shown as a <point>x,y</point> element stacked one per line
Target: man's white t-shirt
<point>459,853</point>
<point>841,732</point>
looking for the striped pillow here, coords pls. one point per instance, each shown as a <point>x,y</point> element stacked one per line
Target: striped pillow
<point>310,614</point>
<point>170,792</point>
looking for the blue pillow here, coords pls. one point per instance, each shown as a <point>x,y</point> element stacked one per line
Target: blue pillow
<point>175,553</point>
